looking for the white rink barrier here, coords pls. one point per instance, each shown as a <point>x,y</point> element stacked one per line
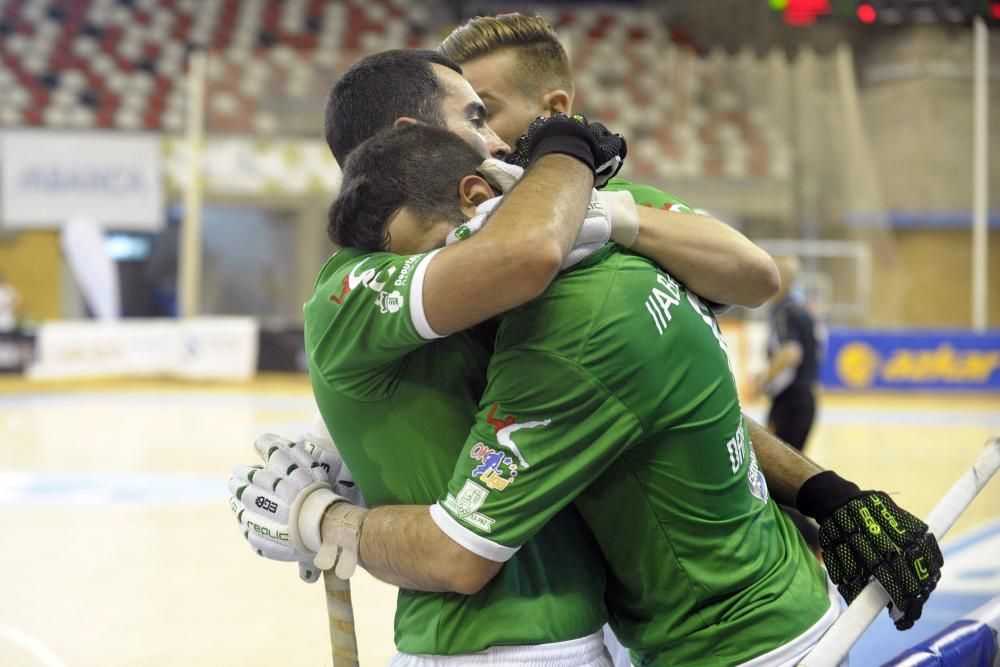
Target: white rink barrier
<point>209,348</point>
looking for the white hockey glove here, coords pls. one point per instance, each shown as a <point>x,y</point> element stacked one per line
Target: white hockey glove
<point>624,215</point>
<point>619,204</point>
<point>594,233</point>
<point>321,446</point>
<point>280,507</point>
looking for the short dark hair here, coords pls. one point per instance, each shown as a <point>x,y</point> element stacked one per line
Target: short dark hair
<point>417,166</point>
<point>377,90</point>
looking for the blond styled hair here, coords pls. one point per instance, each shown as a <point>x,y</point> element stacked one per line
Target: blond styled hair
<point>542,62</point>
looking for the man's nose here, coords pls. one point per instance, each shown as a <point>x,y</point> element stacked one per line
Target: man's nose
<point>498,148</point>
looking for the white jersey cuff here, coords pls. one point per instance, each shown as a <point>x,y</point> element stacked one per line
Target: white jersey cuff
<point>417,314</point>
<point>476,544</point>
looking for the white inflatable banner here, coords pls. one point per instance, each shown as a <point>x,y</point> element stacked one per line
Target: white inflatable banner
<point>49,177</point>
<point>218,348</point>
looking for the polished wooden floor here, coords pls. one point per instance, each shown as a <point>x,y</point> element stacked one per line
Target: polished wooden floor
<point>118,547</point>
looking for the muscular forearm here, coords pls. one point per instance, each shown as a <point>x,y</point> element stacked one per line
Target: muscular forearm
<point>515,257</point>
<point>401,545</point>
<point>711,258</point>
<point>784,468</point>
<point>545,208</point>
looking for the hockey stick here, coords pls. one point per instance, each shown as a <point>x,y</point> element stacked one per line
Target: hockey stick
<point>340,611</point>
<point>846,630</point>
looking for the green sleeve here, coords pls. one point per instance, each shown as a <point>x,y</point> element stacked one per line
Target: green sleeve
<point>365,315</point>
<point>646,195</point>
<point>545,430</point>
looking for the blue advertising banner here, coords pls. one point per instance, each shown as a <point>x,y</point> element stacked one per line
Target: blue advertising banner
<point>900,360</point>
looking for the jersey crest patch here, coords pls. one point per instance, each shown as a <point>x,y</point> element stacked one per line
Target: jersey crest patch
<point>390,302</point>
<point>470,499</point>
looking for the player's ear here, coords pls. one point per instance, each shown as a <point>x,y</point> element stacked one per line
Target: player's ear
<point>403,121</point>
<point>473,190</point>
<point>558,101</point>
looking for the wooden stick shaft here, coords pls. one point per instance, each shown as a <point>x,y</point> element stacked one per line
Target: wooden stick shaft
<point>340,611</point>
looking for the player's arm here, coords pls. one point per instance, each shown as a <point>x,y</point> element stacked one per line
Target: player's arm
<point>401,545</point>
<point>864,534</point>
<point>781,367</point>
<point>785,469</point>
<point>711,258</point>
<point>787,358</point>
<point>515,257</point>
<point>497,499</point>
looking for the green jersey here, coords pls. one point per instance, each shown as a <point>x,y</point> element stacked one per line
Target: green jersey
<point>645,195</point>
<point>613,391</point>
<point>399,403</point>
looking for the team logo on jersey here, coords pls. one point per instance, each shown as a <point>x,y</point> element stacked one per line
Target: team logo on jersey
<point>465,504</point>
<point>491,469</point>
<point>352,280</point>
<point>505,429</point>
<point>758,485</point>
<point>388,302</point>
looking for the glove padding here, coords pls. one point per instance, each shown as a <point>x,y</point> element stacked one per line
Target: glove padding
<point>319,444</point>
<point>868,536</point>
<point>281,504</point>
<point>591,143</point>
<point>594,232</point>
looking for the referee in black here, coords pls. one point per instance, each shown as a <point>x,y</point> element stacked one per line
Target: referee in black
<point>793,352</point>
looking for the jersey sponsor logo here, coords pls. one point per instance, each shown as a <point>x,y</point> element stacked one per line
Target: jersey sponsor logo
<point>470,499</point>
<point>491,467</point>
<point>388,302</point>
<point>404,273</point>
<point>505,429</point>
<point>352,280</point>
<point>859,365</point>
<point>660,301</point>
<point>755,478</point>
<point>740,448</point>
<point>736,447</point>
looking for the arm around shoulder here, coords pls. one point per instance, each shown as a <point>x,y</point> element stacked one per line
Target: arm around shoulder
<point>403,546</point>
<point>515,257</point>
<point>708,256</point>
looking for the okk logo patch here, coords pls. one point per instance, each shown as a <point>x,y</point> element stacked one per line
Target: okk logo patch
<point>496,470</point>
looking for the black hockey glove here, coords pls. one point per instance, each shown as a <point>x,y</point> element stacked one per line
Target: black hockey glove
<point>591,143</point>
<point>864,534</point>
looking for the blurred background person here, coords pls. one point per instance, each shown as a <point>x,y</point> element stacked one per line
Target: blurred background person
<point>793,351</point>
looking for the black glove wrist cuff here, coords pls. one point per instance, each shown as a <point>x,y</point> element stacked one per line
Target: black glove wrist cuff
<point>566,144</point>
<point>823,493</point>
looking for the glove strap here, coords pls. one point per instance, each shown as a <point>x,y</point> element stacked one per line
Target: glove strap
<point>566,145</point>
<point>305,515</point>
<point>823,493</point>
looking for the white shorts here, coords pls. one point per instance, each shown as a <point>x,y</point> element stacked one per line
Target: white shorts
<point>583,652</point>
